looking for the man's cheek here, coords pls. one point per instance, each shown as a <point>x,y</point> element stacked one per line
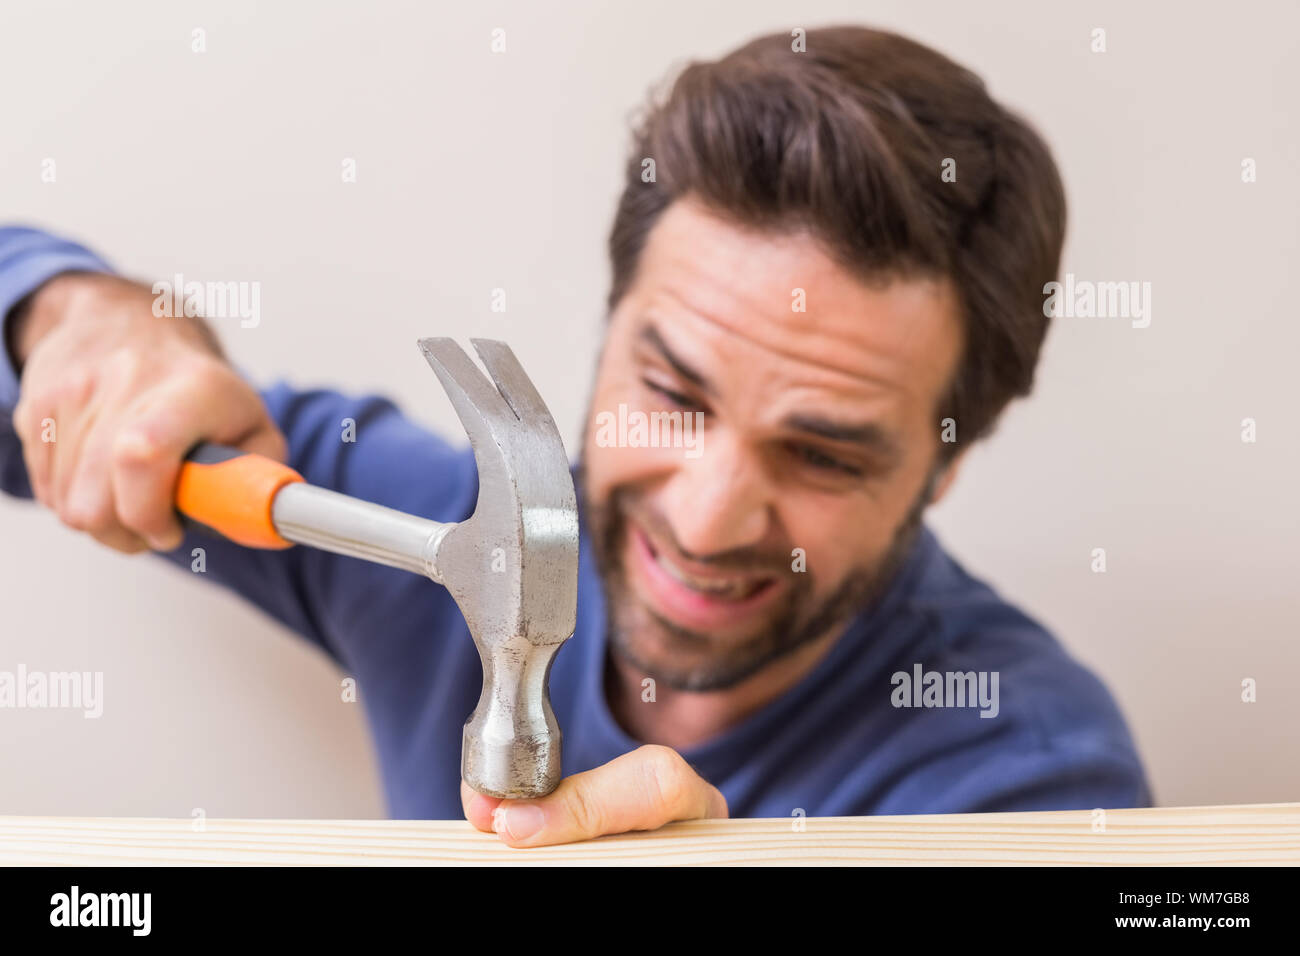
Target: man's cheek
<point>822,555</point>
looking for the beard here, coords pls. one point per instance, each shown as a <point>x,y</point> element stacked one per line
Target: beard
<point>689,660</point>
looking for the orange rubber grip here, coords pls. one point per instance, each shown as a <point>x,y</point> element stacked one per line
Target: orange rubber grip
<point>233,497</point>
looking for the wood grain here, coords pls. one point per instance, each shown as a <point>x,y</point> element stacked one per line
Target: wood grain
<point>1267,834</point>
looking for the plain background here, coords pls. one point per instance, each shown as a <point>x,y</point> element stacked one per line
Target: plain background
<point>479,171</point>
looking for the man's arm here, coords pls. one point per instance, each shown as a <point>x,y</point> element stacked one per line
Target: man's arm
<point>111,399</point>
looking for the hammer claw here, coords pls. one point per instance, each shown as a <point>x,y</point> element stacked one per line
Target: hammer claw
<point>469,390</point>
<point>515,385</point>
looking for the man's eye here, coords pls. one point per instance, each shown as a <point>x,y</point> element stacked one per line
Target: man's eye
<point>677,398</point>
<point>818,459</point>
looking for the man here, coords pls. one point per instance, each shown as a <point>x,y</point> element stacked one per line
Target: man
<point>837,263</point>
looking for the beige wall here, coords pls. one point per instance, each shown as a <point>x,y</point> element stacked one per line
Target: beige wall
<point>479,171</point>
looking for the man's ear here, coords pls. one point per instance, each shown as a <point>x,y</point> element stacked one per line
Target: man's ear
<point>946,477</point>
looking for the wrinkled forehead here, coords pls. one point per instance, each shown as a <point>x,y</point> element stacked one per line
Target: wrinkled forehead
<point>777,308</point>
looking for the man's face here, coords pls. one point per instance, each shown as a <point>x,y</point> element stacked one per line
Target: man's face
<point>820,434</point>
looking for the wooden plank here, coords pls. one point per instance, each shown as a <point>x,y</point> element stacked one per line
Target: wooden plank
<point>1267,834</point>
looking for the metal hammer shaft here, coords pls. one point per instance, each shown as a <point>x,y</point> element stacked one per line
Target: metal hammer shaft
<point>260,503</point>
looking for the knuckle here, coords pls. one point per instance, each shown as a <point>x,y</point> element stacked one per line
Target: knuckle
<point>124,365</point>
<point>135,520</point>
<point>75,516</point>
<point>75,387</point>
<point>207,374</point>
<point>584,807</point>
<point>94,515</point>
<point>70,521</point>
<point>132,446</point>
<point>667,775</point>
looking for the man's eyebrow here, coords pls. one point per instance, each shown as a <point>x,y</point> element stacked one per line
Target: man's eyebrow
<point>871,437</point>
<point>650,335</point>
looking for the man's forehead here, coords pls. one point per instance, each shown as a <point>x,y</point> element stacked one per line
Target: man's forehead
<point>785,296</point>
<point>822,418</point>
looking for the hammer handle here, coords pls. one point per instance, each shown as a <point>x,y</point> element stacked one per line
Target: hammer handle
<point>231,492</point>
<point>260,503</point>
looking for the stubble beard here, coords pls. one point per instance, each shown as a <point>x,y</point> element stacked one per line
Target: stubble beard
<point>793,623</point>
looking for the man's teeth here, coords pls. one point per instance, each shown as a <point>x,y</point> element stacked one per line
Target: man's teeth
<point>725,589</point>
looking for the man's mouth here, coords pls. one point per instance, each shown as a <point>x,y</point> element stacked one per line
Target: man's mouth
<point>696,597</point>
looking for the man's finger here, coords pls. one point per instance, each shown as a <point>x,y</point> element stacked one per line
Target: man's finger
<point>641,790</point>
<point>74,415</point>
<point>38,454</point>
<point>163,424</point>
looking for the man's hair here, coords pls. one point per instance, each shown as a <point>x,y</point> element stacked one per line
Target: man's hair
<point>848,140</point>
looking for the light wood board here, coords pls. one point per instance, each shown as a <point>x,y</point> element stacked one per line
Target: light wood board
<point>1256,834</point>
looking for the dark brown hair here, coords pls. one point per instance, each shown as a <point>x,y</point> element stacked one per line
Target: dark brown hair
<point>848,141</point>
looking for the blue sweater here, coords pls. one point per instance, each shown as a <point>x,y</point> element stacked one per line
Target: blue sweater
<point>858,735</point>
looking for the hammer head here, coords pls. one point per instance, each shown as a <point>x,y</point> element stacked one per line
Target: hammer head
<point>512,566</point>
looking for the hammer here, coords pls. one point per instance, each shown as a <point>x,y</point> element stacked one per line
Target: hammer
<point>512,566</point>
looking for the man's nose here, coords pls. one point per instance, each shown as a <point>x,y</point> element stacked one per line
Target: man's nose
<point>719,501</point>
